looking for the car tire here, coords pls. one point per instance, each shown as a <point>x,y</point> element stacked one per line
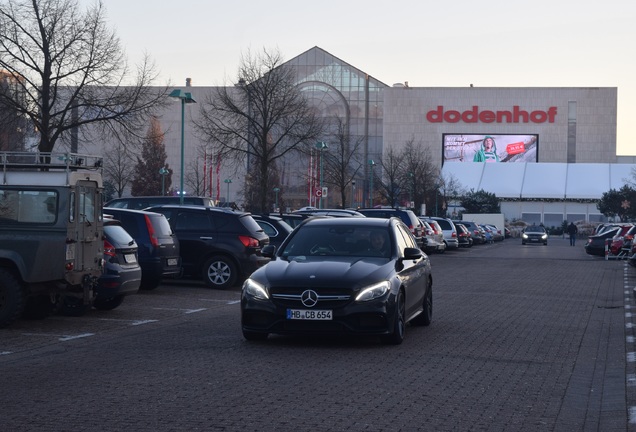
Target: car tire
<point>523,243</point>
<point>254,336</point>
<point>219,272</point>
<point>426,317</point>
<point>109,303</point>
<point>12,296</point>
<point>399,324</point>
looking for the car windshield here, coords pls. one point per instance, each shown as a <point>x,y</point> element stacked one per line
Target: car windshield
<point>338,240</point>
<point>535,229</point>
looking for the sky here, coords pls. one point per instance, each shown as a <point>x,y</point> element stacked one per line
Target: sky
<point>498,43</point>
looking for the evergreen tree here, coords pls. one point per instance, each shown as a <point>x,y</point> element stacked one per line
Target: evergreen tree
<point>480,202</point>
<point>147,180</point>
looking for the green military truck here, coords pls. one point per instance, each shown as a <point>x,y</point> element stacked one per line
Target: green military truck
<point>51,233</point>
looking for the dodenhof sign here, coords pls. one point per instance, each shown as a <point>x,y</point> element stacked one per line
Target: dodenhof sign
<point>475,115</point>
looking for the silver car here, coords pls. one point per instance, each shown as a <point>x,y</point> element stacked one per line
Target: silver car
<point>449,230</point>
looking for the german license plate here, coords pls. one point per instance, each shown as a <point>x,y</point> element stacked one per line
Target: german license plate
<point>309,314</point>
<point>172,261</point>
<point>130,258</point>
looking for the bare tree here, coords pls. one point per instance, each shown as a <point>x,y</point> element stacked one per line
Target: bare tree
<point>419,173</point>
<point>148,179</point>
<point>342,160</point>
<point>388,178</point>
<point>261,120</point>
<point>71,70</point>
<point>119,167</point>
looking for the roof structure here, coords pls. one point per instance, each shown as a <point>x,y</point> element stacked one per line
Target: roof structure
<point>541,180</point>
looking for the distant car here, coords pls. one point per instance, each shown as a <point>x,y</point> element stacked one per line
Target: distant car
<point>534,234</point>
<point>490,238</point>
<point>497,234</point>
<point>464,238</point>
<point>449,230</point>
<point>122,273</point>
<point>621,237</point>
<point>329,212</point>
<point>595,244</point>
<point>293,220</point>
<point>159,255</point>
<point>409,218</point>
<point>331,277</point>
<point>434,236</point>
<point>142,202</point>
<point>219,245</point>
<point>275,227</point>
<point>476,232</point>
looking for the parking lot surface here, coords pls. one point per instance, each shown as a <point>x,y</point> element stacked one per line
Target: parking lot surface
<point>524,338</point>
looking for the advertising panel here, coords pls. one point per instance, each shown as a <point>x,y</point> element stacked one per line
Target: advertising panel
<point>490,148</point>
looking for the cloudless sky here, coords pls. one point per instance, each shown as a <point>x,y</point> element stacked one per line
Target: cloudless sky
<point>489,43</point>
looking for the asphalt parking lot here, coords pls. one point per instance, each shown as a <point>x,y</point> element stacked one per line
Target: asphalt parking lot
<point>524,338</point>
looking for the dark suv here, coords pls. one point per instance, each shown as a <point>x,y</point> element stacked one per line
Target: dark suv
<point>142,202</point>
<point>217,244</point>
<point>407,216</point>
<point>158,246</point>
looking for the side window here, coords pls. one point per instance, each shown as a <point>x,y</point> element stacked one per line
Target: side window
<point>408,239</point>
<point>28,206</point>
<point>267,228</point>
<point>193,221</point>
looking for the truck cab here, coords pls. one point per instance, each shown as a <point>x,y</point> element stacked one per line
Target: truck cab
<point>51,233</point>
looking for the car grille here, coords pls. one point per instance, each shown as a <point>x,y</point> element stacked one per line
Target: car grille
<point>328,298</point>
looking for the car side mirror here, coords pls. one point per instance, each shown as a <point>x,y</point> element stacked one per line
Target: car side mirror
<point>412,253</point>
<point>268,251</point>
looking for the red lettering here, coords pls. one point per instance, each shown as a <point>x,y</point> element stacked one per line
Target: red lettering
<point>473,115</point>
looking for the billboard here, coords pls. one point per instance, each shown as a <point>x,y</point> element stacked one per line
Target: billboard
<point>490,148</point>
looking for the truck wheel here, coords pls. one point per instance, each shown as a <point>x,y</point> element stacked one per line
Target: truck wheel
<point>109,303</point>
<point>73,306</point>
<point>11,298</point>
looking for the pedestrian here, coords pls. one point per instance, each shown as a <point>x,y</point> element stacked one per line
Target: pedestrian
<point>572,230</point>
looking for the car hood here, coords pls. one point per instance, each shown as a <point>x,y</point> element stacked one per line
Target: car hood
<point>309,271</point>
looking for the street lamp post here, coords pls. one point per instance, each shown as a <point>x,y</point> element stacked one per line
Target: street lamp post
<point>436,194</point>
<point>410,188</point>
<point>163,171</point>
<point>227,198</point>
<point>372,164</point>
<point>353,193</point>
<point>276,190</point>
<point>185,98</point>
<point>320,145</point>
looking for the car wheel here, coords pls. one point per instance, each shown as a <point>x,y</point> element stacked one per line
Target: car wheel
<point>426,317</point>
<point>254,336</point>
<point>109,303</point>
<point>399,323</point>
<point>523,243</point>
<point>11,298</point>
<point>219,272</point>
<point>73,306</point>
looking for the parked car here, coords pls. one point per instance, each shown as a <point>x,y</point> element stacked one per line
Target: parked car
<point>143,202</point>
<point>219,245</point>
<point>595,244</point>
<point>497,234</point>
<point>326,279</point>
<point>158,253</point>
<point>329,212</point>
<point>275,227</point>
<point>121,274</point>
<point>449,230</point>
<point>488,233</point>
<point>434,237</point>
<point>618,241</point>
<point>293,220</point>
<point>534,234</point>
<point>406,216</point>
<point>463,236</point>
<point>476,232</point>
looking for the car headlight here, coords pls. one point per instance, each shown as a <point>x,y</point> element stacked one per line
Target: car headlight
<point>544,236</point>
<point>373,292</point>
<point>255,289</point>
<point>524,235</point>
